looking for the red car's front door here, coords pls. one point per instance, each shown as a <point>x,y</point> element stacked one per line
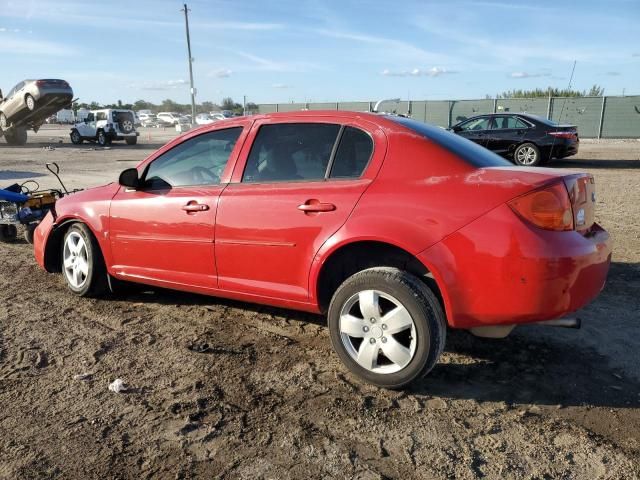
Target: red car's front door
<point>164,230</point>
<point>297,187</point>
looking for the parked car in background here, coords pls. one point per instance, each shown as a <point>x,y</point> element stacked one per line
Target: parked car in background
<point>393,228</point>
<point>28,104</point>
<point>148,119</point>
<point>204,119</point>
<point>528,140</point>
<point>217,116</point>
<point>168,118</point>
<point>105,126</point>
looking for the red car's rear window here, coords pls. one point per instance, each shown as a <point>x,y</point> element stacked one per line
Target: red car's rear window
<point>467,150</point>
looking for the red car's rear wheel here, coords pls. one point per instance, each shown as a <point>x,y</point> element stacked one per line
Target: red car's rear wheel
<point>386,326</point>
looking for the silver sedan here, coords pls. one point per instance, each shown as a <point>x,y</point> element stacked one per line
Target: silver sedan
<point>30,102</point>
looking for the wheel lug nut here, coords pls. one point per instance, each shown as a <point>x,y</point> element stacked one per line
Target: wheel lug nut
<point>372,320</point>
<point>384,326</point>
<point>373,340</point>
<point>365,329</point>
<point>384,339</point>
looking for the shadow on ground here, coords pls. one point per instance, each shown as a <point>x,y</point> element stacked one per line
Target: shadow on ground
<point>595,163</point>
<point>522,368</point>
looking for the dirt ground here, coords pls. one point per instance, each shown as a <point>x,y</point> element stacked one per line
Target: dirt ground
<point>222,389</point>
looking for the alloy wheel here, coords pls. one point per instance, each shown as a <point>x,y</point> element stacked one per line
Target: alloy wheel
<point>76,260</point>
<point>377,331</point>
<point>526,156</point>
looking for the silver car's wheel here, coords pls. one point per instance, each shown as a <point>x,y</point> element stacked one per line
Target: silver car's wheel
<point>31,103</point>
<point>377,331</point>
<point>3,121</point>
<point>75,260</point>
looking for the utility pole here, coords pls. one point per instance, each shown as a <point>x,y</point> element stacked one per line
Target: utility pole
<point>193,90</point>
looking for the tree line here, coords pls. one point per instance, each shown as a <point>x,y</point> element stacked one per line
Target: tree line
<point>169,105</point>
<point>594,91</point>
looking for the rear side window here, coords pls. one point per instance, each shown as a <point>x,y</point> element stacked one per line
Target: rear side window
<point>508,122</point>
<point>470,152</point>
<point>291,152</point>
<point>353,154</point>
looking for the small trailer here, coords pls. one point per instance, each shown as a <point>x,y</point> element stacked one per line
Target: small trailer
<point>25,208</point>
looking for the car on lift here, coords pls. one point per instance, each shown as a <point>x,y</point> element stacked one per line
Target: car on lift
<point>395,229</point>
<point>105,126</point>
<point>29,104</point>
<point>528,140</point>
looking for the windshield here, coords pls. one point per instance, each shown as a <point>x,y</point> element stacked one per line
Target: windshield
<point>468,151</point>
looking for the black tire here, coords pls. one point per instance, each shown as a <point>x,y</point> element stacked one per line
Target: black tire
<point>75,136</point>
<point>103,139</point>
<point>131,140</point>
<point>8,233</point>
<point>95,283</point>
<point>527,155</point>
<point>421,304</point>
<point>29,231</point>
<point>16,136</point>
<point>30,102</point>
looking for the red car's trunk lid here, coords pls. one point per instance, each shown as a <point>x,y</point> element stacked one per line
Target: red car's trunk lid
<point>518,181</point>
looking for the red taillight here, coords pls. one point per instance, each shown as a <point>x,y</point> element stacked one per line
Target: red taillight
<point>563,134</point>
<point>548,208</point>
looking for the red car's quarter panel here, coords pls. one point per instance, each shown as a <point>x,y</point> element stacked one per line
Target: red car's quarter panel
<point>501,270</point>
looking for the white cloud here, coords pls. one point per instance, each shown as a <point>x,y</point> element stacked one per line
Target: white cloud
<point>281,85</point>
<point>528,75</point>
<point>613,74</point>
<point>635,54</point>
<point>159,86</point>
<point>396,48</point>
<point>418,72</point>
<point>220,73</point>
<point>35,48</point>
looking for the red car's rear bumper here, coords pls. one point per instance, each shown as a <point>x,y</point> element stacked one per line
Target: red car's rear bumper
<point>498,270</point>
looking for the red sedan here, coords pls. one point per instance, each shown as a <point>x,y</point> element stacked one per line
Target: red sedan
<point>393,228</point>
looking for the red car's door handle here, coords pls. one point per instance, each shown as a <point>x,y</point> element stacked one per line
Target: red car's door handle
<point>316,206</point>
<point>195,207</point>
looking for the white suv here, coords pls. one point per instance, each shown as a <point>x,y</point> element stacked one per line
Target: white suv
<point>104,126</point>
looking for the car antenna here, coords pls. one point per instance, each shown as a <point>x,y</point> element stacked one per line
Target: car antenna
<point>55,169</point>
<point>573,69</point>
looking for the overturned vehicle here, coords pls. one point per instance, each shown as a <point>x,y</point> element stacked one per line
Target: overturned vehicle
<point>29,104</point>
<point>105,126</point>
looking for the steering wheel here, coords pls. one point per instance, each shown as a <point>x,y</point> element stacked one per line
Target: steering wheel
<point>204,176</point>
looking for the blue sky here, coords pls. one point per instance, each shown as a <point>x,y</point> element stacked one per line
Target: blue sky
<point>315,50</point>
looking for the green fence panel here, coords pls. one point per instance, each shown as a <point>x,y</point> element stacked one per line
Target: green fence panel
<point>463,109</point>
<point>323,106</point>
<point>621,117</point>
<point>419,111</point>
<point>438,113</point>
<point>354,106</point>
<point>267,108</point>
<point>583,112</point>
<point>291,107</point>
<point>621,114</point>
<point>535,106</point>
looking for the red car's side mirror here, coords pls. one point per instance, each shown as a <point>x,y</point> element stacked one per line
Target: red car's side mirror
<point>129,178</point>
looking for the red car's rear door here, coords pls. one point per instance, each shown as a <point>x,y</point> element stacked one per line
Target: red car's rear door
<point>295,185</point>
<point>164,230</point>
